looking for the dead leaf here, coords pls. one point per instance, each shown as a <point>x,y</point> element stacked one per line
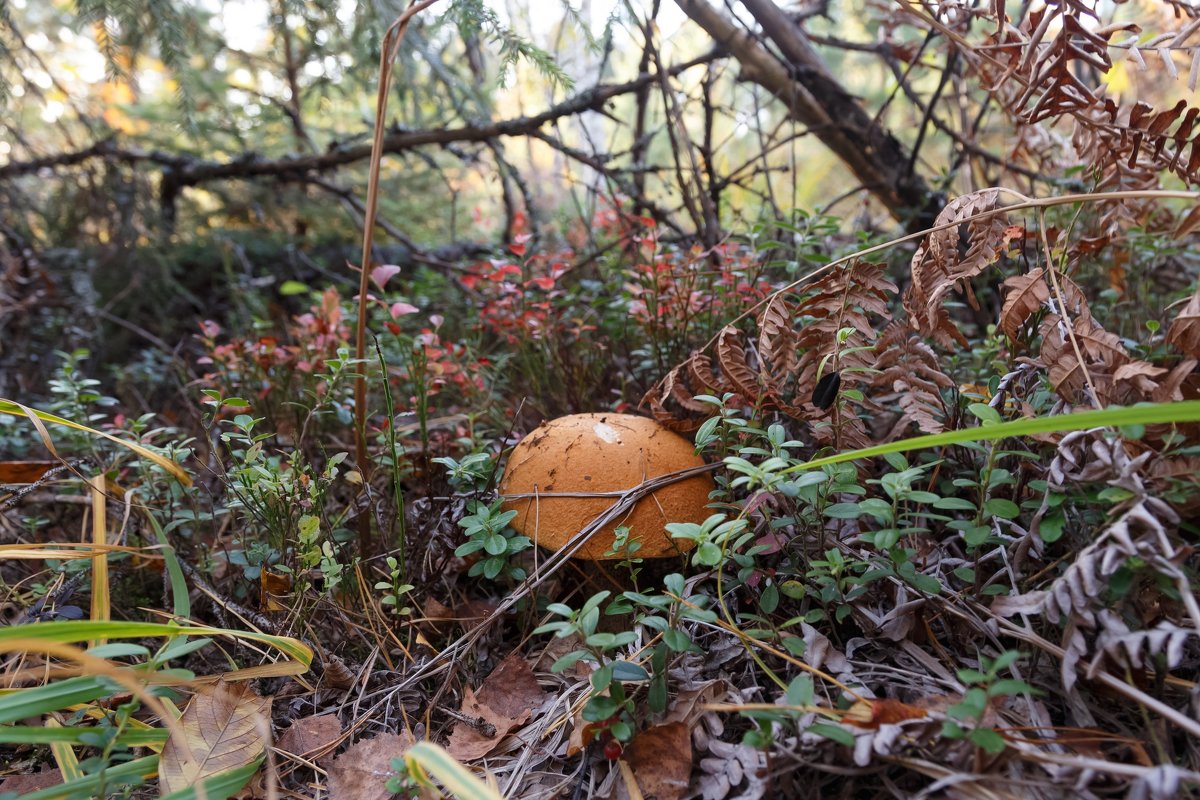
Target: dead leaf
<point>556,648</point>
<point>506,700</point>
<point>661,759</point>
<point>27,783</point>
<point>24,471</point>
<point>1184,333</point>
<point>274,587</point>
<point>224,726</point>
<point>362,771</point>
<point>312,737</point>
<point>689,704</point>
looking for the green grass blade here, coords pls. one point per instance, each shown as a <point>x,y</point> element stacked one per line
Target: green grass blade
<point>18,410</point>
<point>89,786</point>
<point>18,704</point>
<point>218,787</point>
<point>74,631</point>
<point>459,781</point>
<point>25,734</point>
<point>181,603</point>
<point>1146,414</point>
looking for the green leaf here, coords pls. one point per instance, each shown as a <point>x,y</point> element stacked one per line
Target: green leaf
<point>793,589</point>
<point>985,413</point>
<point>1114,495</point>
<point>1052,525</point>
<point>1009,686</point>
<point>800,691</point>
<point>91,785</point>
<point>569,660</point>
<point>1002,507</point>
<point>627,671</point>
<point>833,733</point>
<point>676,639</point>
<point>844,511</point>
<point>769,600</point>
<point>36,701</point>
<point>1145,413</point>
<point>289,288</point>
<point>707,555</point>
<point>988,740</point>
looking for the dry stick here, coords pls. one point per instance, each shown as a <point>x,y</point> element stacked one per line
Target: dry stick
<point>551,565</point>
<point>1067,322</point>
<point>391,45</point>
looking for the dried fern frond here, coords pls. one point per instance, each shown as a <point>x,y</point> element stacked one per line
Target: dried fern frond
<point>1102,354</point>
<point>777,346</point>
<point>1184,333</point>
<point>948,259</point>
<point>735,366</point>
<point>910,368</point>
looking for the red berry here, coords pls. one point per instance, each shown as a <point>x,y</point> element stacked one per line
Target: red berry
<point>612,749</point>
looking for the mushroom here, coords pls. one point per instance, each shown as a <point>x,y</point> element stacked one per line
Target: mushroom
<point>611,453</point>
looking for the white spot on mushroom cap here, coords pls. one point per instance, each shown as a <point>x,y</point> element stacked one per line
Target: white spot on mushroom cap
<point>607,432</point>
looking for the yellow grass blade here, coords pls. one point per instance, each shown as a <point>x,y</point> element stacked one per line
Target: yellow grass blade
<point>36,417</point>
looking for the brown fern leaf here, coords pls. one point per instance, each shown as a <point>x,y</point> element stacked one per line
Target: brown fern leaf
<point>941,264</point>
<point>1170,388</point>
<point>910,368</point>
<point>1184,333</point>
<point>685,397</point>
<point>1023,296</point>
<point>1102,354</point>
<point>1056,74</point>
<point>776,345</point>
<point>731,358</point>
<point>672,399</point>
<point>700,369</point>
<point>849,298</point>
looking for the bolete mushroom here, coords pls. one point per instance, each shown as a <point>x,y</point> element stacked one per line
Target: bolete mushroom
<point>586,453</point>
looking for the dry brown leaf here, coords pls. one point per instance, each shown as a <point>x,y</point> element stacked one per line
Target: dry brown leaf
<point>273,589</point>
<point>661,760</point>
<point>24,471</point>
<point>909,367</point>
<point>689,704</point>
<point>506,699</point>
<point>224,727</point>
<point>1184,333</point>
<point>27,783</point>
<point>1023,295</point>
<point>775,343</point>
<point>731,357</point>
<point>312,737</point>
<point>950,258</point>
<point>1169,389</point>
<point>362,771</point>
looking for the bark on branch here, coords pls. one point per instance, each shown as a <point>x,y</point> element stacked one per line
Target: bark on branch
<point>815,98</point>
<point>187,171</point>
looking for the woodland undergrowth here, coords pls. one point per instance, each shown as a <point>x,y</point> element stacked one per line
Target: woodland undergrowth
<point>951,549</point>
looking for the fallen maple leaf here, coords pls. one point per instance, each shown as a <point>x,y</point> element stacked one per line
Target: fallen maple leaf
<point>506,699</point>
<point>361,773</point>
<point>223,728</point>
<point>312,736</point>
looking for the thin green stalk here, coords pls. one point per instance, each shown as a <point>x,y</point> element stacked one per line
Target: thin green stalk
<point>397,490</point>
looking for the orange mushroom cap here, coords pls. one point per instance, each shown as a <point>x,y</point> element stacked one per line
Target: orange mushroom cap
<point>603,453</point>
